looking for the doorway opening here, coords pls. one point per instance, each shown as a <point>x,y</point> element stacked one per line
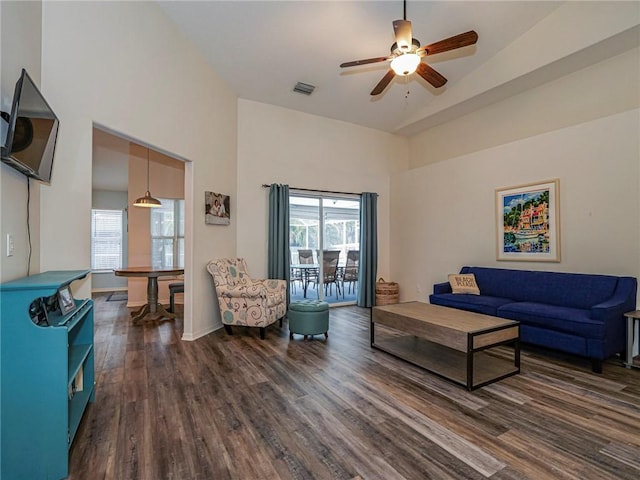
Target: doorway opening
<point>148,237</point>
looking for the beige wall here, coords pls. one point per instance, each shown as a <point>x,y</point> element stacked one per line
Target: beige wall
<point>277,145</point>
<point>583,128</point>
<point>443,214</point>
<point>166,180</point>
<point>20,47</point>
<point>123,66</point>
<point>603,89</point>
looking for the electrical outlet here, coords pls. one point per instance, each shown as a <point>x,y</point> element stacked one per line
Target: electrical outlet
<point>9,245</point>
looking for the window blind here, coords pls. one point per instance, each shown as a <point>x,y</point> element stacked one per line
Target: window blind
<point>106,239</point>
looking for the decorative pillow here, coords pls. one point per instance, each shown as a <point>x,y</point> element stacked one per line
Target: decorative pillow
<point>464,283</point>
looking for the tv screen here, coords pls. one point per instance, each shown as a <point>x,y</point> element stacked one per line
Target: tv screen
<point>32,132</point>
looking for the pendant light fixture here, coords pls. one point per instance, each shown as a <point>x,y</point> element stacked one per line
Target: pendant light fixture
<point>147,201</point>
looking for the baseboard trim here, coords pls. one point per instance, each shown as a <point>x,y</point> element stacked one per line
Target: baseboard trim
<point>107,289</point>
<point>194,336</point>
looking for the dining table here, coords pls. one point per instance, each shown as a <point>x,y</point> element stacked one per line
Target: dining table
<point>151,274</point>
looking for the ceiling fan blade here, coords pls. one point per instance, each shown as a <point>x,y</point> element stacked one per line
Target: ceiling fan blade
<point>404,38</point>
<point>364,62</point>
<point>451,43</point>
<point>430,75</point>
<point>382,84</point>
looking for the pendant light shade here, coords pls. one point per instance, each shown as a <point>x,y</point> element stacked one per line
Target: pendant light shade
<point>147,201</point>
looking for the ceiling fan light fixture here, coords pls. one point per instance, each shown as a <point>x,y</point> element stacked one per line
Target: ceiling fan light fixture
<point>405,64</point>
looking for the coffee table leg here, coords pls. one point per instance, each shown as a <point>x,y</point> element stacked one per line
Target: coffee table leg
<point>630,336</point>
<point>371,326</point>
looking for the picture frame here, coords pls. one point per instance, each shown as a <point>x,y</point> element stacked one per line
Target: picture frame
<point>65,300</point>
<point>217,211</point>
<point>528,222</point>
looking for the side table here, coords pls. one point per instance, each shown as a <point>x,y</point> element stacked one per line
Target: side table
<point>633,318</point>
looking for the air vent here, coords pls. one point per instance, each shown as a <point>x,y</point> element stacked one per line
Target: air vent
<point>304,88</point>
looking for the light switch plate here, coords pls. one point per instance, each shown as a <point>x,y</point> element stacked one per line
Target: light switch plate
<point>9,245</point>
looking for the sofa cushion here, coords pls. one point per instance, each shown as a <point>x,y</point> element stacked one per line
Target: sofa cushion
<point>464,283</point>
<point>573,290</point>
<point>472,303</point>
<point>561,319</point>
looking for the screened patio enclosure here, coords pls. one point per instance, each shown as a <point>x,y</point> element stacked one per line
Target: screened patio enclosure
<point>324,224</point>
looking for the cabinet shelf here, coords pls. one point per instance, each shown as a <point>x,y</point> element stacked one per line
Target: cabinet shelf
<point>77,406</point>
<point>77,356</point>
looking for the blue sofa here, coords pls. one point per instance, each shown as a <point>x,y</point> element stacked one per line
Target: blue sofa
<point>580,314</point>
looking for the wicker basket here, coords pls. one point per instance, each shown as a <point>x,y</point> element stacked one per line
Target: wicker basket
<point>387,293</point>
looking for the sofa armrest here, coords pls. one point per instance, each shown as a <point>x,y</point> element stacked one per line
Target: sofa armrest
<point>623,300</point>
<point>444,287</point>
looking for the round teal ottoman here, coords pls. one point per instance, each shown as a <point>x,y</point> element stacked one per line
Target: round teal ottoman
<point>308,317</point>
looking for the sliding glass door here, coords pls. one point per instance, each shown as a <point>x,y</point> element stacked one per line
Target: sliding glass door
<point>324,240</point>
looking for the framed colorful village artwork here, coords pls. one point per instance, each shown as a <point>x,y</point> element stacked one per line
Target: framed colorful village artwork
<point>528,226</point>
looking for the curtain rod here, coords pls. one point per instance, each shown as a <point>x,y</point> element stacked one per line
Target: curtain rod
<point>268,185</point>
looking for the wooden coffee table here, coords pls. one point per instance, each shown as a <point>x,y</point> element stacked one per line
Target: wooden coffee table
<point>454,344</point>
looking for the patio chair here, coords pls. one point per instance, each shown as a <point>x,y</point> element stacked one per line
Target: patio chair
<point>244,300</point>
<point>305,257</point>
<point>350,272</point>
<point>330,260</point>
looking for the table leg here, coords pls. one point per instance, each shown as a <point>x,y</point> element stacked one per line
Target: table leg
<point>152,294</point>
<point>152,305</point>
<point>140,313</point>
<point>630,337</point>
<point>305,282</point>
<point>164,313</point>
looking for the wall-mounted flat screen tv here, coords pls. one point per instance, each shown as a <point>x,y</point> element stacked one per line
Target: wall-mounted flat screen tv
<point>32,132</point>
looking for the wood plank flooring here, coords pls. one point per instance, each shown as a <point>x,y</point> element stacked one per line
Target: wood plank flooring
<point>237,407</point>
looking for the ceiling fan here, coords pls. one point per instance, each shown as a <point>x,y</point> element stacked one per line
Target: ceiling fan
<point>406,54</point>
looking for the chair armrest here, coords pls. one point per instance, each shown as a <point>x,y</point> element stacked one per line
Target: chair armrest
<point>274,285</point>
<point>252,290</point>
<point>444,287</point>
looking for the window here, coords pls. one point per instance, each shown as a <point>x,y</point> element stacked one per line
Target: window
<point>167,234</point>
<point>106,239</point>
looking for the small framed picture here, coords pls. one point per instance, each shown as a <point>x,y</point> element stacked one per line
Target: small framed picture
<point>65,299</point>
<point>216,209</point>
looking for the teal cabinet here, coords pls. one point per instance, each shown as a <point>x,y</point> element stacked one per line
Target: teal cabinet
<point>47,374</point>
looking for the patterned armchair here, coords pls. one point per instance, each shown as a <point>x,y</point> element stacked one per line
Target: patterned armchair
<point>246,301</point>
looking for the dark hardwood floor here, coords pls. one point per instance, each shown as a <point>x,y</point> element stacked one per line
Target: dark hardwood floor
<point>237,407</point>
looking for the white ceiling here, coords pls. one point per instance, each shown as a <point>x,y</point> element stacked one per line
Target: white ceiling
<point>261,49</point>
